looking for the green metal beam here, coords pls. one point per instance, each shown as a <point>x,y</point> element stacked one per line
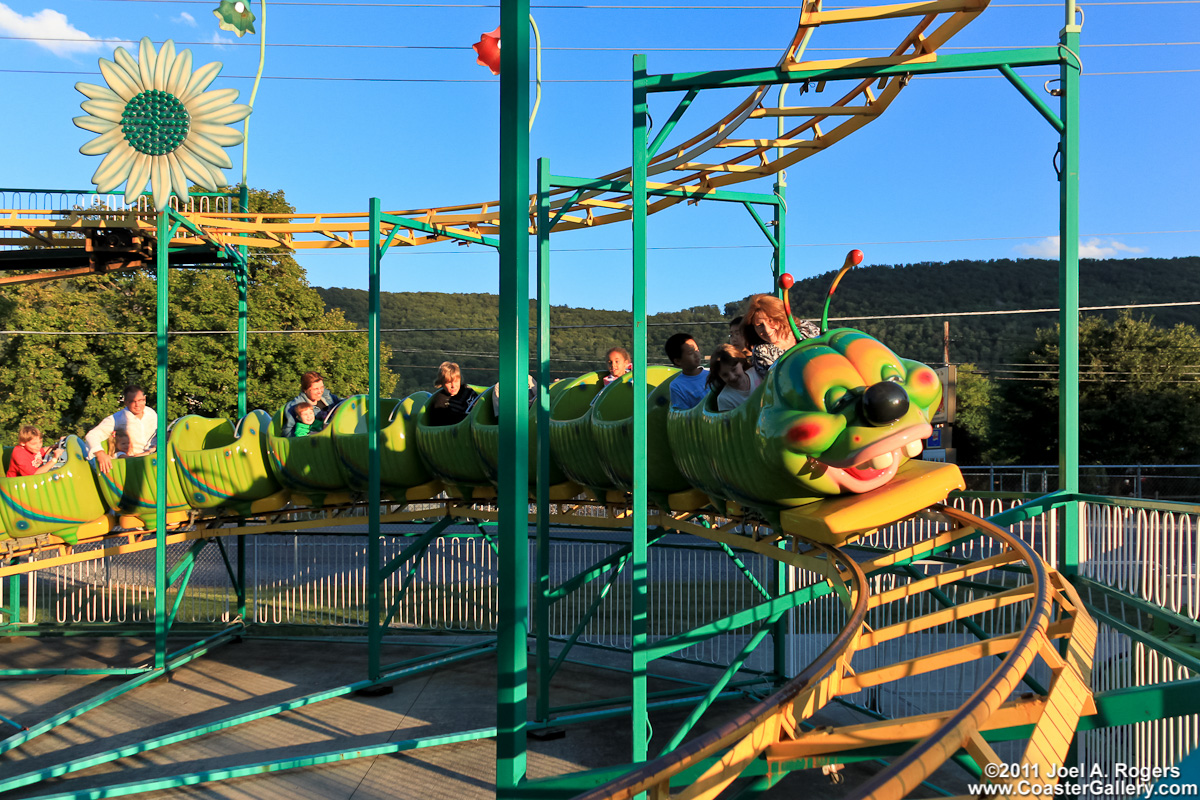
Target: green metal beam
<point>939,64</point>
<point>1184,659</point>
<point>587,615</point>
<point>1068,296</point>
<point>415,548</point>
<point>763,611</point>
<point>766,230</point>
<point>1187,624</point>
<point>639,517</point>
<point>176,661</point>
<point>542,578</point>
<point>137,748</point>
<point>438,230</point>
<point>264,767</point>
<point>1033,99</point>
<point>375,621</point>
<point>672,121</point>
<point>163,454</point>
<point>711,697</point>
<point>719,195</point>
<point>512,492</point>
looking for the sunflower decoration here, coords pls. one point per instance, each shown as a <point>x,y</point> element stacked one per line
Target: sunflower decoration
<point>158,125</point>
<point>234,16</point>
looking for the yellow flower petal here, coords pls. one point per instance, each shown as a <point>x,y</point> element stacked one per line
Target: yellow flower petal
<point>210,101</point>
<point>160,183</point>
<point>103,143</point>
<point>95,92</point>
<point>130,65</point>
<point>162,68</point>
<point>118,79</point>
<point>195,168</point>
<point>181,73</point>
<point>178,179</point>
<point>114,168</point>
<point>146,59</point>
<point>223,116</point>
<point>110,110</point>
<point>139,173</point>
<point>221,135</point>
<point>200,80</point>
<point>93,124</point>
<point>208,151</point>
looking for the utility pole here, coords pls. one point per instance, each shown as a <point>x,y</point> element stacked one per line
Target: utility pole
<point>946,342</point>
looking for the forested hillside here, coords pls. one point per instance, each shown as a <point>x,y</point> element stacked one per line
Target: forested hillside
<point>428,328</point>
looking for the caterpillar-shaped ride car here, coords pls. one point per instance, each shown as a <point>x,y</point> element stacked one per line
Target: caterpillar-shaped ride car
<point>819,448</point>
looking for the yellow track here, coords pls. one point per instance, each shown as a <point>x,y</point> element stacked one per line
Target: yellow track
<point>744,144</point>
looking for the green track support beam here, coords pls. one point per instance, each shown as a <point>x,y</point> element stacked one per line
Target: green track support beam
<point>374,493</point>
<point>542,579</point>
<point>1068,293</point>
<point>163,454</point>
<point>513,489</point>
<point>640,515</point>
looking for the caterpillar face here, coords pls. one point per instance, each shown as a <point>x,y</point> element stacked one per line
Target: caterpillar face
<point>842,412</point>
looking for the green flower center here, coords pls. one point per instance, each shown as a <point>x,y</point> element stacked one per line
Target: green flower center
<point>155,123</point>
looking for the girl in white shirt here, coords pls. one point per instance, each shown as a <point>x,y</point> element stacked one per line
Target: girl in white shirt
<point>729,372</point>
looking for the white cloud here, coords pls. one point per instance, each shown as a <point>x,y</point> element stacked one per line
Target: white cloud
<point>50,30</point>
<point>219,40</point>
<point>1092,248</point>
<point>185,18</point>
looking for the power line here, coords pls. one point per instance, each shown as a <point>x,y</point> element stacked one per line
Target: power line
<point>931,315</point>
<point>352,46</point>
<point>336,79</point>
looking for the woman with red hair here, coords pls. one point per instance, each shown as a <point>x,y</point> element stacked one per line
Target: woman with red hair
<point>767,332</point>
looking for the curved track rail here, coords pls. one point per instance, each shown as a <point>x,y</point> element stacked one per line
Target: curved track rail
<point>773,729</point>
<point>744,146</point>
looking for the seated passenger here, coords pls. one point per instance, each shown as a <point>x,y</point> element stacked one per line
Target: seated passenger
<point>453,399</point>
<point>29,457</point>
<point>313,392</point>
<point>688,388</point>
<point>122,445</point>
<point>619,363</point>
<point>136,419</point>
<point>533,393</point>
<point>729,373</point>
<point>306,419</point>
<point>736,337</point>
<point>767,332</point>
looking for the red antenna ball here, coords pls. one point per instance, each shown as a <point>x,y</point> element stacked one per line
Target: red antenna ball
<point>856,257</point>
<point>786,280</point>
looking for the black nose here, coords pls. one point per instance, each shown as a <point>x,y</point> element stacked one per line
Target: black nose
<point>884,403</point>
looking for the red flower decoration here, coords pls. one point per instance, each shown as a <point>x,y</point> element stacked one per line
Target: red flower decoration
<point>488,51</point>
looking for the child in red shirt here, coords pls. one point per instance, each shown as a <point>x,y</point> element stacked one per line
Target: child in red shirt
<point>29,457</point>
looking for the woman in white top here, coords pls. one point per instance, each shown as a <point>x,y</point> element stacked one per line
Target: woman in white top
<point>729,372</point>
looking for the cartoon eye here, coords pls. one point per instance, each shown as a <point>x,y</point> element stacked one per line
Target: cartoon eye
<point>891,373</point>
<point>835,398</point>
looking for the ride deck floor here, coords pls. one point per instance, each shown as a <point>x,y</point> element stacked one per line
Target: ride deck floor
<point>244,676</point>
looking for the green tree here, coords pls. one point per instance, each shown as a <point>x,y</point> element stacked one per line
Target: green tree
<point>975,397</point>
<point>1138,396</point>
<point>95,341</point>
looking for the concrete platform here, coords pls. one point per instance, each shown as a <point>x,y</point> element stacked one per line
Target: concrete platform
<point>241,677</point>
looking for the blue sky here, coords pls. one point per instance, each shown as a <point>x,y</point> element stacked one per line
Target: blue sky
<point>385,100</point>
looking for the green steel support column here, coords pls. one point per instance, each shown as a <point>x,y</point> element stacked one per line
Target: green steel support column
<point>513,490</point>
<point>162,253</point>
<point>779,631</point>
<point>242,279</point>
<point>640,518</point>
<point>1068,291</point>
<point>374,621</point>
<point>543,441</point>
